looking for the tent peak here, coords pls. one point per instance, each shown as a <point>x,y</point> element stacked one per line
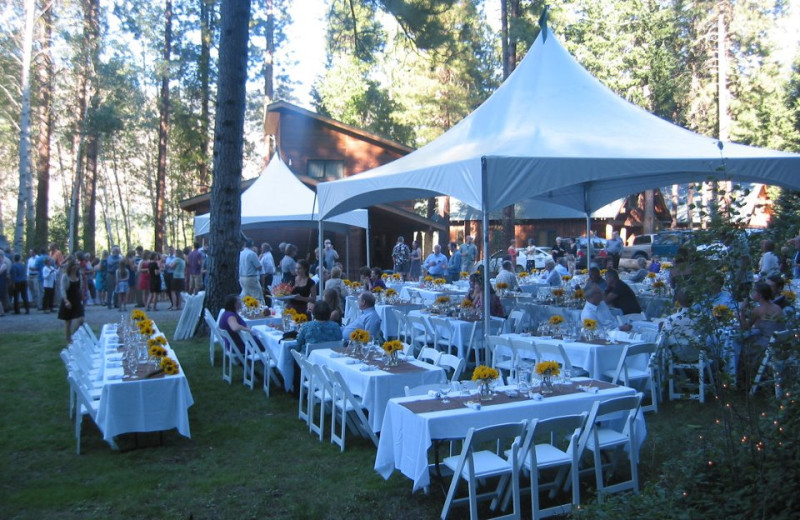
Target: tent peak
<point>543,23</point>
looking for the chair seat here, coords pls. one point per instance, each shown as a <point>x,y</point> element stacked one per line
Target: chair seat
<point>633,374</point>
<point>607,438</point>
<point>487,464</point>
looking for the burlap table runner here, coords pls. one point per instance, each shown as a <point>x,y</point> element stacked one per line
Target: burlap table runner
<point>403,368</point>
<point>457,402</point>
<point>145,371</point>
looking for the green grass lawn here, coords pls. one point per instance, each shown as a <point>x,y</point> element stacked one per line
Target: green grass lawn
<point>249,456</point>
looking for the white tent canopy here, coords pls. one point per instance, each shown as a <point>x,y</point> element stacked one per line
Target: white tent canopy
<point>555,133</point>
<point>279,198</point>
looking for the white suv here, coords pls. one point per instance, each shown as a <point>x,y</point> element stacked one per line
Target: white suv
<point>642,248</point>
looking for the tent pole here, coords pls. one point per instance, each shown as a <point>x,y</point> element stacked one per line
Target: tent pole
<point>487,296</point>
<point>588,226</point>
<point>320,258</point>
<point>366,231</point>
<point>347,253</point>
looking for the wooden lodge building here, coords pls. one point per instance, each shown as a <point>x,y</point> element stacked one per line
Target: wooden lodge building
<point>318,149</point>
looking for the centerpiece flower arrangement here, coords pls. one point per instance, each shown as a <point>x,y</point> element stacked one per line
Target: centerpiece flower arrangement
<point>392,348</point>
<point>428,279</point>
<point>146,327</point>
<point>659,286</point>
<point>556,319</point>
<point>464,275</point>
<point>566,277</point>
<point>377,290</point>
<point>722,312</point>
<point>300,318</point>
<point>282,289</point>
<point>603,271</point>
<point>439,281</point>
<point>583,271</point>
<point>156,351</point>
<point>577,293</point>
<point>138,315</point>
<point>169,366</point>
<point>385,276</point>
<point>466,303</point>
<point>250,302</point>
<point>156,342</point>
<point>558,293</point>
<point>666,265</point>
<point>397,276</point>
<point>651,275</point>
<point>789,295</point>
<point>547,370</point>
<point>589,328</point>
<point>359,336</point>
<point>484,375</point>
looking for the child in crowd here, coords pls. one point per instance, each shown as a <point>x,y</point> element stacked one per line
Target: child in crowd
<point>122,285</point>
<point>48,283</point>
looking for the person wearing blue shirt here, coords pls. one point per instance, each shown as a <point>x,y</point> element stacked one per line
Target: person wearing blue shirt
<point>368,320</point>
<point>19,277</point>
<point>454,264</point>
<point>436,263</point>
<point>319,330</point>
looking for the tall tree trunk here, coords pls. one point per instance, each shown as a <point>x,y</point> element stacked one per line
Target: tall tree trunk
<point>509,64</point>
<point>269,73</point>
<point>226,216</point>
<point>163,130</point>
<point>90,193</point>
<point>504,37</point>
<point>206,36</point>
<point>25,190</point>
<point>674,212</point>
<point>125,219</point>
<point>45,89</point>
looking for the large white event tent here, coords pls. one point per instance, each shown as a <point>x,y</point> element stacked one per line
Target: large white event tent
<point>279,198</point>
<point>553,132</point>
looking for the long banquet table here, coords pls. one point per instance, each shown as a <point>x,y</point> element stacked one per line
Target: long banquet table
<point>375,386</point>
<point>406,435</point>
<point>139,405</point>
<point>280,350</point>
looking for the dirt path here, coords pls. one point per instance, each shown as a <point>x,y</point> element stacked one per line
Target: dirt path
<point>95,316</point>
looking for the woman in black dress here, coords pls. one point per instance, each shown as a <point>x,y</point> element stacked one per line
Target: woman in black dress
<point>72,304</point>
<point>155,281</point>
<point>305,290</point>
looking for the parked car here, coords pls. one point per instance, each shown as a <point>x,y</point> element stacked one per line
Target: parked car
<point>641,247</point>
<point>532,258</point>
<point>598,251</point>
<point>666,243</point>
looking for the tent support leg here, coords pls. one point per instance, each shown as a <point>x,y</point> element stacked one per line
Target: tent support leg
<point>487,298</point>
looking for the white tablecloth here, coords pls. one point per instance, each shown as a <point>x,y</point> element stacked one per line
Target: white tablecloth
<point>429,295</point>
<point>461,333</point>
<point>388,319</point>
<point>406,436</point>
<point>376,387</point>
<point>146,405</point>
<point>595,359</point>
<point>280,350</point>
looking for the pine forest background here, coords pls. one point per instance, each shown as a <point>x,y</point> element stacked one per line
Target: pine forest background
<point>107,109</point>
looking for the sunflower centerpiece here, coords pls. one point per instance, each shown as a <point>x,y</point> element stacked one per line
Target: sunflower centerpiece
<point>485,376</point>
<point>502,288</point>
<point>393,348</point>
<point>556,321</point>
<point>252,307</point>
<point>358,341</point>
<point>547,370</point>
<point>589,330</point>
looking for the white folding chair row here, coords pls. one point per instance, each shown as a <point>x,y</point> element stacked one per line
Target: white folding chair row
<point>429,355</point>
<point>86,404</point>
<point>308,348</point>
<point>450,362</point>
<point>477,343</point>
<point>680,372</point>
<point>637,367</point>
<point>518,319</point>
<point>402,330</point>
<point>443,334</point>
<point>777,367</point>
<point>421,333</point>
<point>253,354</point>
<point>214,337</point>
<point>348,411</point>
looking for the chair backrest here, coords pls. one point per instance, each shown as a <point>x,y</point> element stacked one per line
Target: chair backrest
<point>213,326</point>
<point>402,322</point>
<point>419,325</point>
<point>568,427</point>
<point>639,355</point>
<point>492,344</point>
<point>229,344</point>
<point>526,349</point>
<point>554,352</point>
<point>442,328</point>
<point>628,403</point>
<point>308,348</point>
<point>430,355</point>
<point>518,319</point>
<point>454,363</point>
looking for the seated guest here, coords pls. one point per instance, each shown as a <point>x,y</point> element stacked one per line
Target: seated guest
<point>376,279</point>
<point>550,276</point>
<point>336,283</point>
<point>561,266</point>
<point>596,309</point>
<point>619,294</point>
<point>762,321</point>
<point>368,320</point>
<point>719,295</point>
<point>655,265</point>
<point>682,337</point>
<point>232,322</point>
<point>640,275</point>
<point>776,283</point>
<point>331,297</point>
<point>321,329</point>
<point>507,276</point>
<point>364,275</point>
<point>476,295</point>
<point>595,278</point>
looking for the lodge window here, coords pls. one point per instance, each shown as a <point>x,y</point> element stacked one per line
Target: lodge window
<point>325,169</point>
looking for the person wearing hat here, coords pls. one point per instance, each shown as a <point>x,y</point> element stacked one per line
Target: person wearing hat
<point>249,272</point>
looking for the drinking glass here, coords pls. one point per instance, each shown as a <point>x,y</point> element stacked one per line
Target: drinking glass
<point>444,391</point>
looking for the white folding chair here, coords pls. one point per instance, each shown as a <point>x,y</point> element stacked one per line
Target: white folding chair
<point>401,332</point>
<point>305,385</point>
<point>518,319</point>
<point>349,410</point>
<point>308,348</point>
<point>475,465</point>
<point>421,333</point>
<point>214,337</point>
<point>429,355</point>
<point>230,353</point>
<point>600,434</point>
<point>254,354</point>
<point>556,352</point>
<point>501,354</point>
<point>477,344</point>
<point>561,436</point>
<point>320,395</point>
<point>443,334</point>
<point>767,363</point>
<point>454,363</point>
<point>636,366</point>
<point>679,371</point>
<point>85,405</point>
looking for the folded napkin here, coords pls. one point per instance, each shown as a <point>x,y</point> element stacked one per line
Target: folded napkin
<point>434,394</point>
<point>473,404</point>
<point>536,396</point>
<point>336,355</point>
<point>114,377</point>
<point>351,361</point>
<point>588,389</point>
<point>117,357</point>
<point>366,368</point>
<point>512,393</point>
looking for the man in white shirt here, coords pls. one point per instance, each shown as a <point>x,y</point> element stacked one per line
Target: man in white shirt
<point>597,310</point>
<point>507,276</point>
<point>249,272</point>
<point>267,265</point>
<point>550,276</point>
<point>561,267</point>
<point>436,263</point>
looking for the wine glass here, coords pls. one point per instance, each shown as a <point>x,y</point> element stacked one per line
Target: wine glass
<point>444,391</point>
